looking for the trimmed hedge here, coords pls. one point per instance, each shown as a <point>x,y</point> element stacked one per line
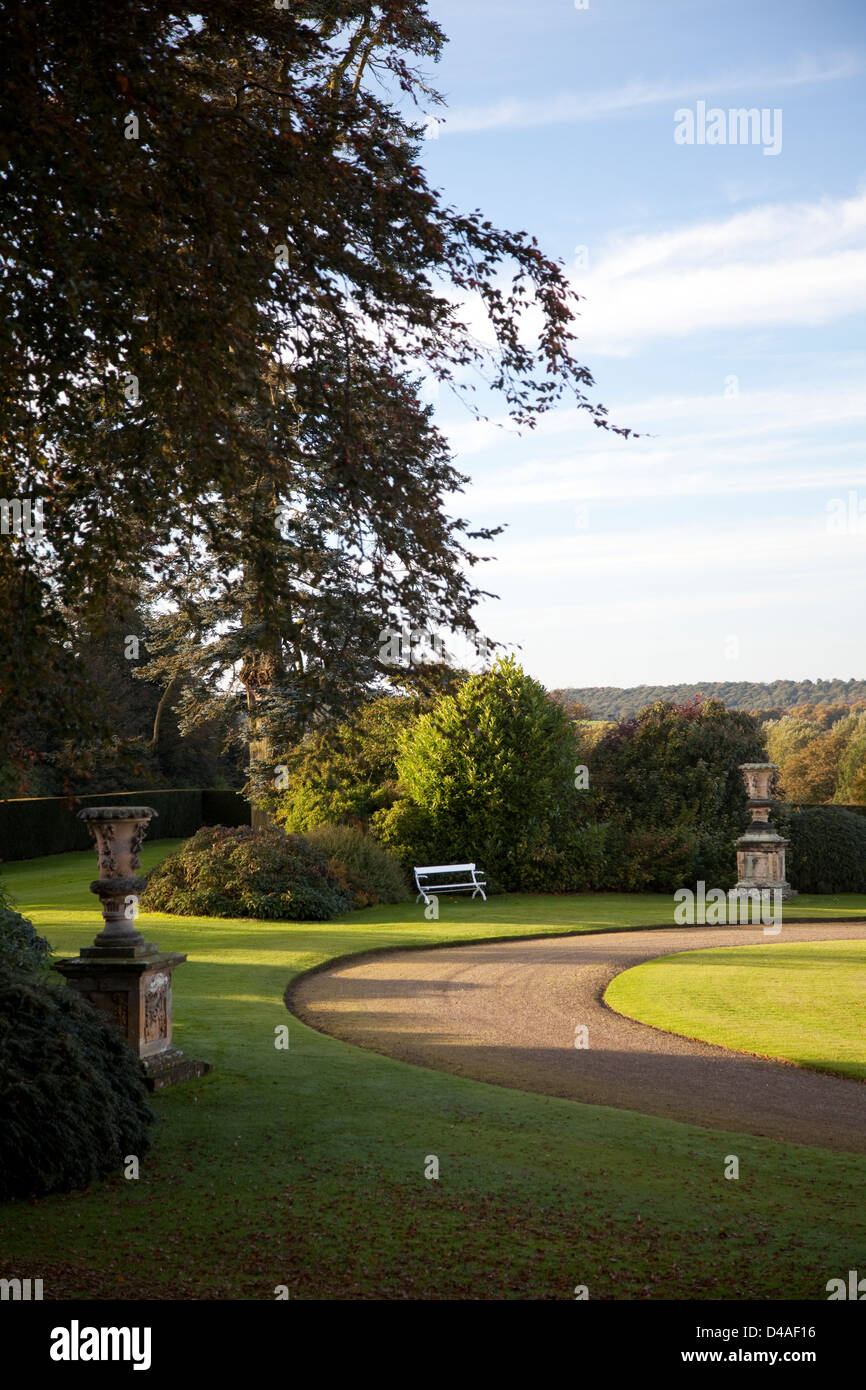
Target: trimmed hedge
<point>50,825</point>
<point>21,946</point>
<point>221,806</point>
<point>828,849</point>
<point>73,1103</point>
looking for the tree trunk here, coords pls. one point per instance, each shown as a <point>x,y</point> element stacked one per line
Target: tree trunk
<point>154,741</point>
<point>260,751</point>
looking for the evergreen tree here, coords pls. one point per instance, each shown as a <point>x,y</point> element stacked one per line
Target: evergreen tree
<point>223,271</point>
<point>487,776</point>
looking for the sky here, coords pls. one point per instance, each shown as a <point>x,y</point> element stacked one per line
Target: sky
<point>724,295</point>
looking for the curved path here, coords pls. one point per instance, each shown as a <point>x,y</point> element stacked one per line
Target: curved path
<point>506,1012</point>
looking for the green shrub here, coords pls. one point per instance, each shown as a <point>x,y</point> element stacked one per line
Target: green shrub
<point>828,849</point>
<point>490,774</point>
<point>677,765</point>
<point>606,857</point>
<point>658,861</point>
<point>240,872</point>
<point>21,947</point>
<point>647,859</point>
<point>359,863</point>
<point>575,865</point>
<point>780,819</point>
<point>714,858</point>
<point>343,775</point>
<point>73,1101</point>
<point>410,835</point>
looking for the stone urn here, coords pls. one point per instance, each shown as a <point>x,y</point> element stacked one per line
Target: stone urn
<point>760,849</point>
<point>118,833</point>
<point>121,974</point>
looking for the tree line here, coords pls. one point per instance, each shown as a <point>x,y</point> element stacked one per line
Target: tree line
<point>767,698</point>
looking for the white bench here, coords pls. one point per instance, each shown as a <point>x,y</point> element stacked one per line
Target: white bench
<point>425,889</point>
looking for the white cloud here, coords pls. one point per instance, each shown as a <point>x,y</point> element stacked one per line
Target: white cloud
<point>778,265</point>
<point>763,442</point>
<point>795,263</point>
<point>571,107</point>
<point>708,552</point>
<point>789,229</point>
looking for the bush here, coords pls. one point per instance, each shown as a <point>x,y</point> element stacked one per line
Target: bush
<point>73,1102</point>
<point>240,872</point>
<point>669,783</point>
<point>677,766</point>
<point>828,849</point>
<point>344,775</point>
<point>655,861</point>
<point>21,948</point>
<point>360,864</point>
<point>490,773</point>
<point>574,866</point>
<point>408,832</point>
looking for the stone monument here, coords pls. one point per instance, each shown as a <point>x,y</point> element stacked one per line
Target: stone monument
<point>124,976</point>
<point>760,850</point>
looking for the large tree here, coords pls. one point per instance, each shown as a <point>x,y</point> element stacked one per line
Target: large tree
<point>222,271</point>
<point>674,771</point>
<point>488,775</point>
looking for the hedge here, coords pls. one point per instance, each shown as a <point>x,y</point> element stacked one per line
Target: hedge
<point>220,806</point>
<point>50,825</point>
<point>73,1104</point>
<point>828,850</point>
<point>827,846</point>
<point>21,947</point>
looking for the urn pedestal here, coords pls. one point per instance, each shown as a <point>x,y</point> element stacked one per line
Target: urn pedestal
<point>760,850</point>
<point>121,974</point>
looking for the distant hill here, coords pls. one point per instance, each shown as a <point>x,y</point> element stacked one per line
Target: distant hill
<point>615,702</point>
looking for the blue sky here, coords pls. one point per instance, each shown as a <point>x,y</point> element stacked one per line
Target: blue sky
<point>725,291</point>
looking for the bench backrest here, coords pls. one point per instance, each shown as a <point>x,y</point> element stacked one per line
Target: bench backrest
<point>444,868</point>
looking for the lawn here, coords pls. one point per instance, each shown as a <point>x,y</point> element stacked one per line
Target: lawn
<point>802,1001</point>
<point>305,1167</point>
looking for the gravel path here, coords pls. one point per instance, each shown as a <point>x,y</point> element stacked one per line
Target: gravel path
<point>506,1012</point>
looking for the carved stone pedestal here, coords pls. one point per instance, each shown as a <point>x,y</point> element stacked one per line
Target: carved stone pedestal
<point>760,849</point>
<point>124,976</point>
<point>135,992</point>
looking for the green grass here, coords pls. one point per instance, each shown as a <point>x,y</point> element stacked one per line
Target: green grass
<point>802,1001</point>
<point>306,1167</point>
